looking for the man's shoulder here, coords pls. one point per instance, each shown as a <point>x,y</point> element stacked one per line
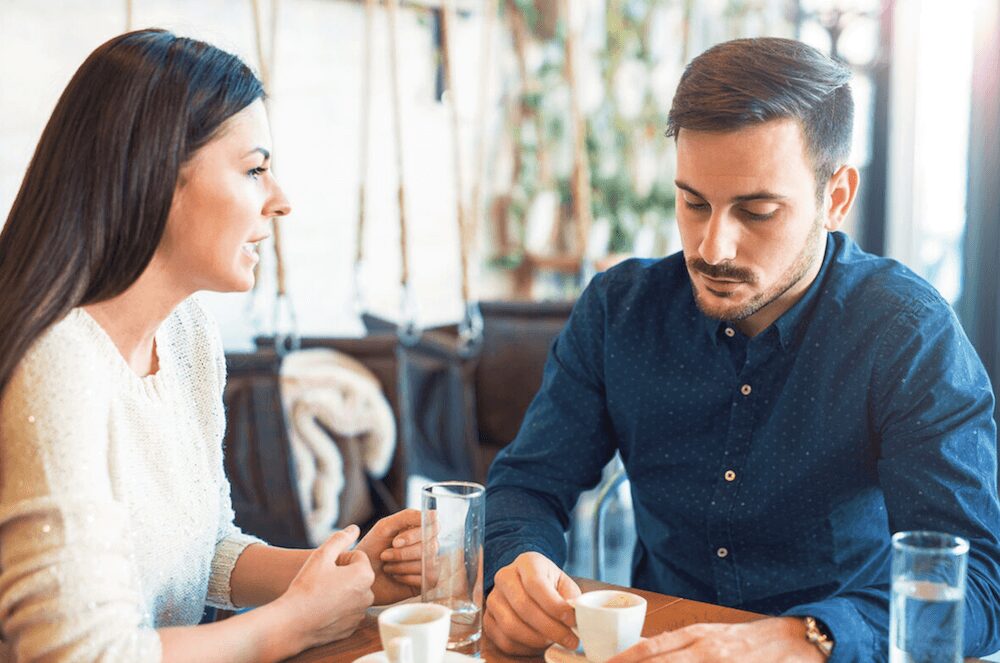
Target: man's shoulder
<point>636,280</point>
<point>864,283</point>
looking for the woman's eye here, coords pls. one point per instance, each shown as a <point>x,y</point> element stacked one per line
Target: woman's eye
<point>257,172</point>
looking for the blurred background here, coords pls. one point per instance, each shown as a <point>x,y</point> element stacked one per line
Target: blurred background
<point>537,128</point>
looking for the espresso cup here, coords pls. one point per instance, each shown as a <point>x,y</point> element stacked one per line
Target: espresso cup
<point>415,632</point>
<point>608,622</point>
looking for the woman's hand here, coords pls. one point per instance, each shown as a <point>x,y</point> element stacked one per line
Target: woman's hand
<point>328,597</point>
<point>393,547</point>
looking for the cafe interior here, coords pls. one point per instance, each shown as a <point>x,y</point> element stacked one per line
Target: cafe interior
<point>459,171</point>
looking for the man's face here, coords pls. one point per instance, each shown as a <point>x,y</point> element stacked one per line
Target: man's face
<point>749,220</point>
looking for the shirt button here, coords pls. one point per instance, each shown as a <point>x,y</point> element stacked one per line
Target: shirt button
<point>730,475</point>
<point>729,332</point>
<point>721,552</point>
<point>745,390</point>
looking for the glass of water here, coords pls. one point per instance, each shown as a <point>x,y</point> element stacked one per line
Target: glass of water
<point>928,593</point>
<point>452,517</point>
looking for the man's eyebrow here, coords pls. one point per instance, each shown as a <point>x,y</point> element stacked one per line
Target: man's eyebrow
<point>756,195</point>
<point>266,153</point>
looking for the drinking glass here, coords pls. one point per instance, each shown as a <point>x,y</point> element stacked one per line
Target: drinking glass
<point>452,517</point>
<point>928,592</point>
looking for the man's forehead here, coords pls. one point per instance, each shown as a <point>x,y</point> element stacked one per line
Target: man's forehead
<point>770,156</point>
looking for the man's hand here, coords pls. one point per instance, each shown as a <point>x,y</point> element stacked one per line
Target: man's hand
<point>774,640</point>
<point>393,547</point>
<point>528,609</point>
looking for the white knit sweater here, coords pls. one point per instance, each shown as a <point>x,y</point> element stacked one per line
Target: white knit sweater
<point>115,515</point>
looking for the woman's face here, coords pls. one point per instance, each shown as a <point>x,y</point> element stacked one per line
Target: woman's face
<point>225,198</point>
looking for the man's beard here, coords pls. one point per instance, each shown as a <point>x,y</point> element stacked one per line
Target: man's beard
<point>795,272</point>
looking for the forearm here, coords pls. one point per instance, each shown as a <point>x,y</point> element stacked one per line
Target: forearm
<point>258,636</point>
<point>519,521</point>
<point>263,573</point>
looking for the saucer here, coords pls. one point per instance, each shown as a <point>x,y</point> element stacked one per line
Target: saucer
<point>449,657</point>
<point>559,654</point>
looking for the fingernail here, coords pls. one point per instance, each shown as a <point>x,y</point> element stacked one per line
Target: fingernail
<point>399,543</point>
<point>351,529</point>
<point>569,643</point>
<point>568,617</point>
<point>386,554</point>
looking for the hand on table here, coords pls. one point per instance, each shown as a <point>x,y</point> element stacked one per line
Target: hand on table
<point>328,597</point>
<point>774,640</point>
<point>393,548</point>
<point>528,609</point>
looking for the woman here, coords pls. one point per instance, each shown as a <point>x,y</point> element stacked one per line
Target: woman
<point>149,183</point>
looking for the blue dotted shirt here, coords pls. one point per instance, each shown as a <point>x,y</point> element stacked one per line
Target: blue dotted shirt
<point>767,473</point>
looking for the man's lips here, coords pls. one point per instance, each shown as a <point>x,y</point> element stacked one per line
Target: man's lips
<point>712,279</point>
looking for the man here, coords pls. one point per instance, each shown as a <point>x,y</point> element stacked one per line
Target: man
<point>782,401</point>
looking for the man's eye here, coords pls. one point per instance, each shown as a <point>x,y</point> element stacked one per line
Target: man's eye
<point>695,206</point>
<point>753,216</point>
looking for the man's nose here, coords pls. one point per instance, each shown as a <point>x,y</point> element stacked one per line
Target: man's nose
<point>720,240</point>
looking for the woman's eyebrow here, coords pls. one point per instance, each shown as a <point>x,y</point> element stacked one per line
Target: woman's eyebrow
<point>265,152</point>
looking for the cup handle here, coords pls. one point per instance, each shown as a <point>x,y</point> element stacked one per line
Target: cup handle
<point>399,650</point>
<point>572,604</point>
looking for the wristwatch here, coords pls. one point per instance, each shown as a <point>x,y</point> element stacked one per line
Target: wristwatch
<point>816,634</point>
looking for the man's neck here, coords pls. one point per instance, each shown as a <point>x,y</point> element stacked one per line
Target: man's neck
<point>762,319</point>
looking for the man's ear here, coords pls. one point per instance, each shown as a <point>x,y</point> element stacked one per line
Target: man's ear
<point>841,191</point>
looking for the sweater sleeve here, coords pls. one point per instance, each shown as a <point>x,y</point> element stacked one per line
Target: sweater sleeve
<point>69,588</point>
<point>230,540</point>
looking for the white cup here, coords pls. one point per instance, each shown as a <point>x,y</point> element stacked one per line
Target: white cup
<point>415,632</point>
<point>608,622</point>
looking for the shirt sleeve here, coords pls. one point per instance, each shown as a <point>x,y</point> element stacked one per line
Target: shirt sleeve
<point>69,588</point>
<point>560,450</point>
<point>230,539</point>
<point>932,410</point>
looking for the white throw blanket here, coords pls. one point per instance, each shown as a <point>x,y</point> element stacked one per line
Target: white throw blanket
<point>321,386</point>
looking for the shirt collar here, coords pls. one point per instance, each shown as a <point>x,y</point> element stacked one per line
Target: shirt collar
<point>791,320</point>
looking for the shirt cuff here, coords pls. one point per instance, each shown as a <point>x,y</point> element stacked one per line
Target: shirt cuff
<point>853,638</point>
<point>227,551</point>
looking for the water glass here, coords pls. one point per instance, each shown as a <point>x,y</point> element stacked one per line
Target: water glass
<point>453,516</point>
<point>928,592</point>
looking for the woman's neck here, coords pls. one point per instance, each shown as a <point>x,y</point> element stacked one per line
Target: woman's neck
<point>132,318</point>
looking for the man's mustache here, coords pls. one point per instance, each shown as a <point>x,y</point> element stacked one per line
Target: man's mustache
<point>723,270</point>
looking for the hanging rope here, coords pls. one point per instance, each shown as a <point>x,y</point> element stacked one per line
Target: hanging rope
<point>286,337</point>
<point>447,26</point>
<point>409,332</point>
<point>363,149</point>
<point>580,183</point>
<point>485,69</point>
<point>129,15</point>
<point>471,325</point>
<point>265,60</point>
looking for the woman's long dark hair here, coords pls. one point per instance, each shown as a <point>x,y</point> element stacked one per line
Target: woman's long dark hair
<point>94,201</point>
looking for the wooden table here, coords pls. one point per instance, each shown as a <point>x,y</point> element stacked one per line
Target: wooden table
<point>663,613</point>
